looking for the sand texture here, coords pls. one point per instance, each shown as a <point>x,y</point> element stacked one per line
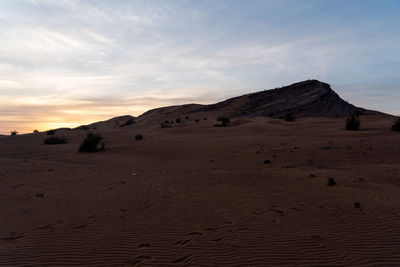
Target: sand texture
<point>198,195</point>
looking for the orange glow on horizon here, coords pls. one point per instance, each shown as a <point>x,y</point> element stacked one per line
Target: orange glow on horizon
<point>63,117</point>
<point>25,114</point>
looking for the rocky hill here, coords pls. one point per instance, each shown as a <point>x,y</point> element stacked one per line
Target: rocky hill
<point>310,98</point>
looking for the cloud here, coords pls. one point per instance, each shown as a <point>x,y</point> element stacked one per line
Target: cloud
<point>77,58</point>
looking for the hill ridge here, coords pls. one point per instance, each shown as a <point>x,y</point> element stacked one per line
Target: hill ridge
<point>309,98</point>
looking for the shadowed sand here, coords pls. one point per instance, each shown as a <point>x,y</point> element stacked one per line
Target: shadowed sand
<point>198,195</point>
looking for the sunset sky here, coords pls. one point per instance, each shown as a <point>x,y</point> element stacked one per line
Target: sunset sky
<point>66,63</point>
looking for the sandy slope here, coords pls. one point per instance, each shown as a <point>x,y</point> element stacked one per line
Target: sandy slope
<point>201,196</point>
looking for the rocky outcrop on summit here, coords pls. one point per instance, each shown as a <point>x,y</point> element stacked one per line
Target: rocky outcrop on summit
<point>310,98</point>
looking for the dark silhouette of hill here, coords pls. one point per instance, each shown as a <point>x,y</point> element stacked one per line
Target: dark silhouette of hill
<point>120,121</point>
<point>310,98</point>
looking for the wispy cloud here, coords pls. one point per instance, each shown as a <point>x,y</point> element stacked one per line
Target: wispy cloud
<point>79,61</point>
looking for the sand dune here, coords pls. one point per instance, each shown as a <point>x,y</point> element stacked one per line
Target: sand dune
<point>198,195</point>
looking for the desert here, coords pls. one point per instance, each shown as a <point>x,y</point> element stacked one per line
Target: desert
<point>199,133</point>
<point>254,193</point>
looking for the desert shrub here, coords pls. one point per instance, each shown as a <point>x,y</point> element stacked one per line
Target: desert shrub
<point>267,161</point>
<point>205,119</point>
<point>352,123</point>
<point>163,125</point>
<point>128,122</point>
<point>178,120</point>
<point>138,137</point>
<point>357,205</point>
<point>331,182</point>
<point>51,132</point>
<point>35,131</point>
<point>55,140</point>
<point>289,117</point>
<point>91,143</point>
<point>186,117</point>
<point>396,125</point>
<point>14,132</point>
<point>196,120</point>
<point>166,121</point>
<point>224,122</point>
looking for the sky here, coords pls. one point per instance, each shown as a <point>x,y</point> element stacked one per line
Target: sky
<point>67,63</point>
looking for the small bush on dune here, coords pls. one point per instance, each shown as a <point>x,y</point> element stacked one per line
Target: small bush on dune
<point>54,140</point>
<point>352,123</point>
<point>290,117</point>
<point>138,137</point>
<point>178,120</point>
<point>91,143</point>
<point>224,122</point>
<point>331,182</point>
<point>14,132</point>
<point>396,125</point>
<point>35,131</point>
<point>197,120</point>
<point>51,132</point>
<point>163,125</point>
